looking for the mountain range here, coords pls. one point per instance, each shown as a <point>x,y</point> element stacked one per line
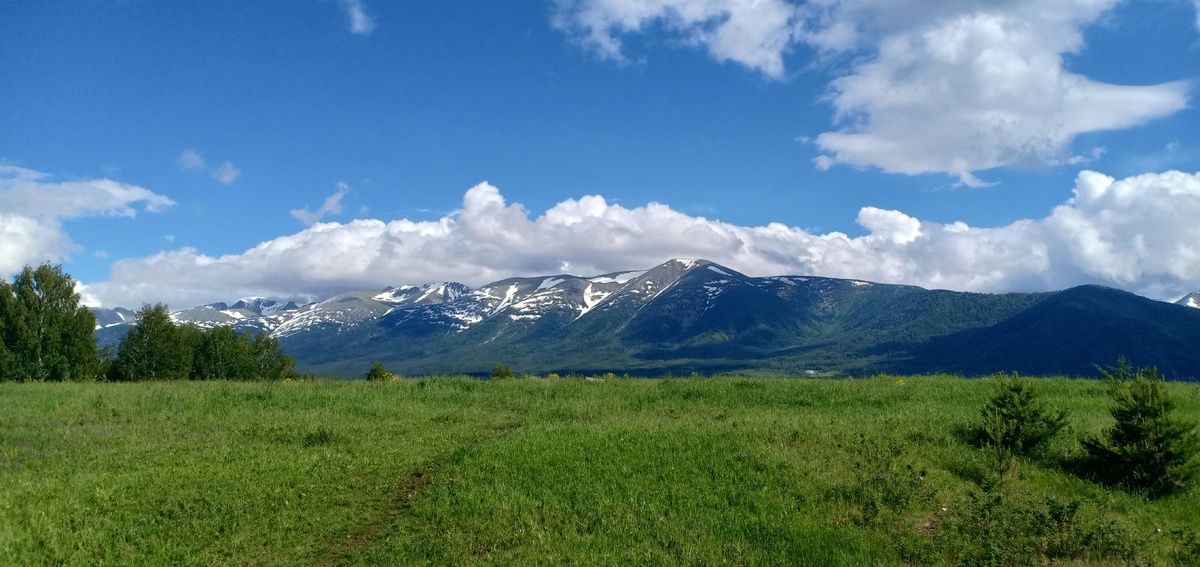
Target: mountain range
<point>688,316</point>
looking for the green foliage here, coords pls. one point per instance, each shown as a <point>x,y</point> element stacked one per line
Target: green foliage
<point>1149,448</point>
<point>45,335</point>
<point>222,354</point>
<point>501,371</point>
<point>378,373</point>
<point>887,483</point>
<point>154,348</point>
<point>270,362</point>
<point>158,349</point>
<point>1015,421</point>
<point>1016,528</point>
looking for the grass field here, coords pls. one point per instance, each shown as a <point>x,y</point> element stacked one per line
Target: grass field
<point>552,471</point>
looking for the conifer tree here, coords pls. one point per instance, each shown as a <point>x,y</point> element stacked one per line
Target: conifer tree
<point>1015,419</point>
<point>1149,448</point>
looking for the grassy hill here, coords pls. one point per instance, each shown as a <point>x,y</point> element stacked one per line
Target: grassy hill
<point>454,470</point>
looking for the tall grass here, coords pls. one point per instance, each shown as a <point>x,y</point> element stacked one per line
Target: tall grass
<point>454,470</point>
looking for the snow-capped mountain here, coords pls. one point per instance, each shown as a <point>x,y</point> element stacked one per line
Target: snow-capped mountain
<point>264,306</point>
<point>251,314</point>
<point>347,310</point>
<point>113,317</point>
<point>686,315</point>
<point>1190,300</point>
<point>523,301</point>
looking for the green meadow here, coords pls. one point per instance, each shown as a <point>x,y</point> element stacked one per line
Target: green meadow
<point>691,471</point>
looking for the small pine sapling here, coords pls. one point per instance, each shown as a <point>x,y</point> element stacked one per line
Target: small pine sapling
<point>1149,449</point>
<point>1015,421</point>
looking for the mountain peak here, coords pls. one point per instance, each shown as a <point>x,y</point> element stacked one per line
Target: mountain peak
<point>686,263</point>
<point>1190,300</point>
<point>262,306</point>
<point>436,292</point>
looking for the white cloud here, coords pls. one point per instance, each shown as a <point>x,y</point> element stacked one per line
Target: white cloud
<point>1137,233</point>
<point>332,205</point>
<point>225,174</point>
<point>975,90</point>
<point>32,209</point>
<point>755,33</point>
<point>932,87</point>
<point>190,159</point>
<point>360,22</point>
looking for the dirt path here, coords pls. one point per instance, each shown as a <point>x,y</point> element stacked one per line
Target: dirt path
<point>404,497</point>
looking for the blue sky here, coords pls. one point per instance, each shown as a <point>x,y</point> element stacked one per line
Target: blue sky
<point>187,153</point>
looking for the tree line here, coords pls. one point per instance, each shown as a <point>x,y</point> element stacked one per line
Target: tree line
<point>46,335</point>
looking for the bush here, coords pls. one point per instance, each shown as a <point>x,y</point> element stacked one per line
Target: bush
<point>502,371</point>
<point>378,373</point>
<point>1148,448</point>
<point>1019,528</point>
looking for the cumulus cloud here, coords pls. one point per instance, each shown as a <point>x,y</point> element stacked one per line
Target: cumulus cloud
<point>360,22</point>
<point>32,208</point>
<point>225,174</point>
<point>932,87</point>
<point>332,205</point>
<point>979,89</point>
<point>1137,233</point>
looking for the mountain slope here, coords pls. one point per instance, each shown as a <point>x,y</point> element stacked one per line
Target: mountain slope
<point>1069,333</point>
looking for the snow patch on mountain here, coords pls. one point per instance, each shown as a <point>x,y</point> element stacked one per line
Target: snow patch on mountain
<point>508,297</point>
<point>592,298</point>
<point>389,294</point>
<point>1189,300</point>
<point>113,317</point>
<point>618,277</point>
<point>716,288</point>
<point>549,283</point>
